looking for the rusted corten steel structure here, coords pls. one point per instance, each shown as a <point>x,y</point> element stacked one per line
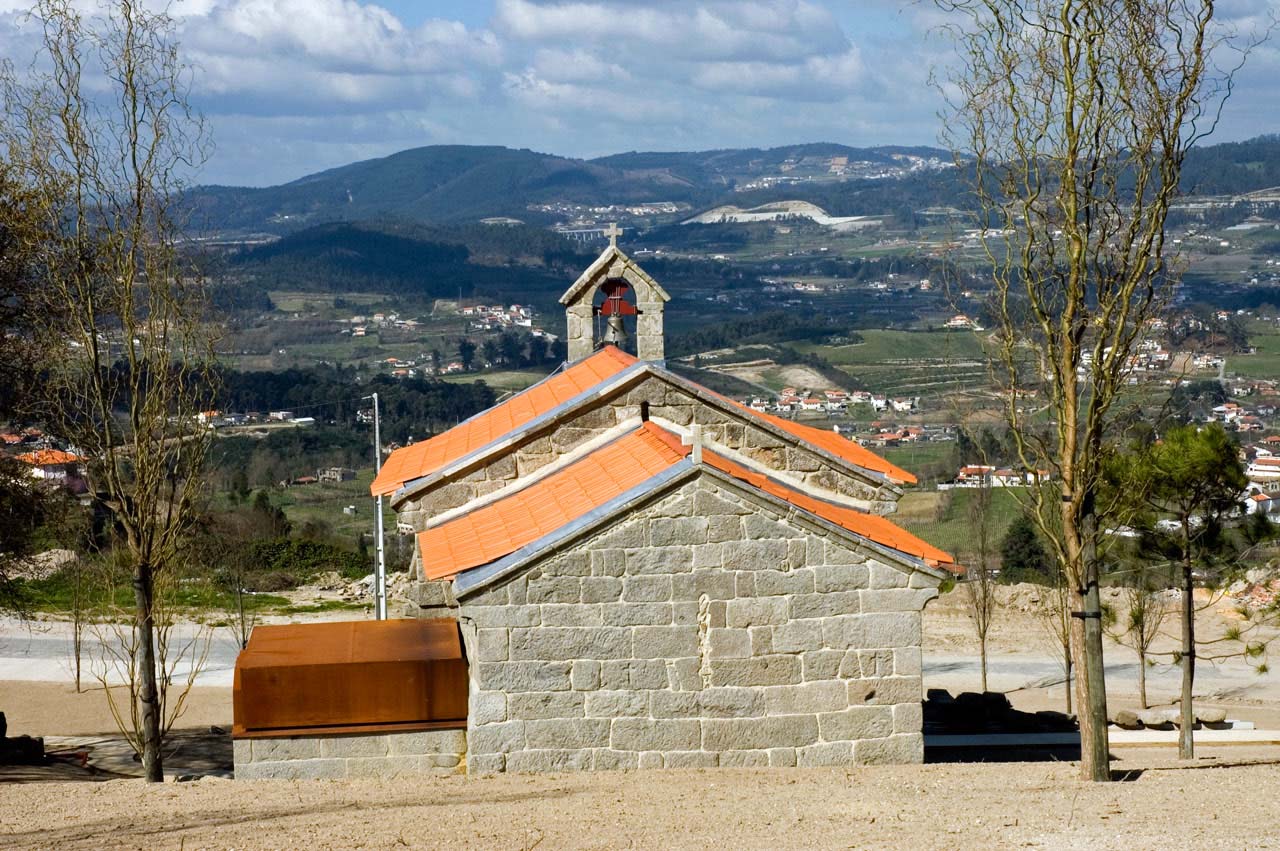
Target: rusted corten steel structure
<point>350,677</point>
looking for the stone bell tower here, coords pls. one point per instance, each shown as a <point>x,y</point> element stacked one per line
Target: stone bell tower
<point>617,276</point>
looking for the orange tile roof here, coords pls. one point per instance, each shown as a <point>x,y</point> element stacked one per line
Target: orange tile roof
<point>871,526</point>
<point>504,526</point>
<point>429,456</point>
<point>422,459</point>
<point>48,457</point>
<point>838,446</point>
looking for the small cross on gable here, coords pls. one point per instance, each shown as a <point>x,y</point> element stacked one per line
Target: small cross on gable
<point>613,232</point>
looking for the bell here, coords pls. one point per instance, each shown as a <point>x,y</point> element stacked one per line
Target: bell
<point>615,333</point>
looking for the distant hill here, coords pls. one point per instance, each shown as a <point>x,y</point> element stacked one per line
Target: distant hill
<point>449,184</point>
<point>730,165</point>
<point>458,183</point>
<point>408,259</point>
<point>438,184</point>
<point>1233,168</point>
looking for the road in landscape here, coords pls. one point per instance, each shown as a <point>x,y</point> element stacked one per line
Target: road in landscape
<point>40,651</point>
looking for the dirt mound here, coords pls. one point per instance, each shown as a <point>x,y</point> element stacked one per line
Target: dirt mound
<point>42,565</point>
<point>1021,597</point>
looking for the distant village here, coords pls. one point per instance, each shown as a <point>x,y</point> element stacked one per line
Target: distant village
<point>479,319</point>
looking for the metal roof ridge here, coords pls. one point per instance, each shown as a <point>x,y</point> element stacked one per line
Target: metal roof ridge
<point>407,489</point>
<point>765,473</point>
<point>909,559</point>
<point>752,416</point>
<point>476,578</point>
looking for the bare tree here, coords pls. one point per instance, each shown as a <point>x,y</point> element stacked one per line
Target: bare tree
<point>81,612</point>
<point>99,133</point>
<point>1138,623</point>
<point>1054,615</point>
<point>1074,118</point>
<point>181,652</point>
<point>979,586</point>
<point>220,548</point>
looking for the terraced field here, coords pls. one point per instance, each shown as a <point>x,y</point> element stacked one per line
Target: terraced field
<point>911,363</point>
<point>943,517</point>
<point>1265,362</point>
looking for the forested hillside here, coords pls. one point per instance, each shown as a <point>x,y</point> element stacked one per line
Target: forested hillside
<point>405,259</point>
<point>447,183</point>
<point>451,184</point>
<point>1233,168</point>
<point>412,406</point>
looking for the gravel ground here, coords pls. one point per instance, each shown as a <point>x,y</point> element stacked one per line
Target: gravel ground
<point>1227,800</point>
<point>55,709</point>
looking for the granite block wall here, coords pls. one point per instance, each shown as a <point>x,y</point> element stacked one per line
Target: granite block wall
<point>708,628</point>
<point>351,755</point>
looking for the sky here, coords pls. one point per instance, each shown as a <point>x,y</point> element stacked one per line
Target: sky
<point>291,87</point>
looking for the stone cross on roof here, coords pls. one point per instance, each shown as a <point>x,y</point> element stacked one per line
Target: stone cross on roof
<point>613,232</point>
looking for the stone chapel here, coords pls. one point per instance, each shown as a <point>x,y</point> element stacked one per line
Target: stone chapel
<point>648,574</point>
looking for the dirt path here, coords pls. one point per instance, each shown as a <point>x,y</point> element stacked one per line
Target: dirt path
<point>1037,805</point>
<point>55,709</point>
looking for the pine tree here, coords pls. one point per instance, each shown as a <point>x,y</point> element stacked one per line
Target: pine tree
<point>1022,553</point>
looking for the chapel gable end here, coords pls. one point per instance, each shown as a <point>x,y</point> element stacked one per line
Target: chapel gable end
<point>615,302</point>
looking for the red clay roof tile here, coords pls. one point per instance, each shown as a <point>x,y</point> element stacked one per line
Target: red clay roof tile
<point>429,456</point>
<point>48,458</point>
<point>500,528</point>
<point>421,459</point>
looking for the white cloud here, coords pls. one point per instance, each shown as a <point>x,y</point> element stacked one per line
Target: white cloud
<point>291,86</point>
<point>576,65</point>
<point>768,30</point>
<point>338,35</point>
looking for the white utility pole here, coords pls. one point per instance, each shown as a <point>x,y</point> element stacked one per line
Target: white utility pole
<point>380,565</point>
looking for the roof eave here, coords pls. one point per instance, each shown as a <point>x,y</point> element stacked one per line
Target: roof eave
<point>719,402</point>
<point>475,579</point>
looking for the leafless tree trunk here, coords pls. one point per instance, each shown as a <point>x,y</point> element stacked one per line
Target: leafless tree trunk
<point>79,614</point>
<point>1074,118</point>
<point>101,139</point>
<point>980,589</point>
<point>1055,618</point>
<point>1140,624</point>
<point>179,653</point>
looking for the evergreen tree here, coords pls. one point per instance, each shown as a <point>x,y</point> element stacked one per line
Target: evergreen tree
<point>510,347</point>
<point>273,514</point>
<point>1022,553</point>
<point>1258,528</point>
<point>537,350</point>
<point>466,353</point>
